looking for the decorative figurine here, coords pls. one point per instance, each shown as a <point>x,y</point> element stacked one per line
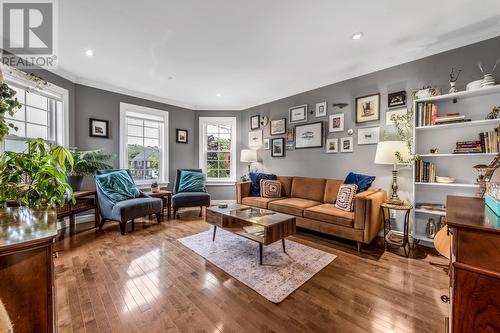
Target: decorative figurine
<point>493,113</point>
<point>488,78</point>
<point>155,188</point>
<point>453,80</point>
<point>434,150</point>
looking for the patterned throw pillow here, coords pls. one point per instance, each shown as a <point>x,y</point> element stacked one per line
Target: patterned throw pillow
<point>345,197</point>
<point>270,188</point>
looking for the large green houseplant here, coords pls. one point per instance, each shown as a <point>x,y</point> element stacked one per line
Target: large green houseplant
<point>36,177</point>
<point>8,106</point>
<point>86,163</point>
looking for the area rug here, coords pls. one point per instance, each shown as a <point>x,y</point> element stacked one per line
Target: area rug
<point>281,273</point>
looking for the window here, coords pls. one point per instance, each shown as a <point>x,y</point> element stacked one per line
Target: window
<point>218,148</point>
<point>144,143</point>
<point>43,114</point>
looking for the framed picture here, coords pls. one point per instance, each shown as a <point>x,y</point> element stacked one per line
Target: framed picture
<point>309,135</point>
<point>332,146</point>
<point>394,113</point>
<point>297,114</point>
<point>289,146</point>
<point>254,122</point>
<point>368,108</point>
<point>368,135</point>
<point>336,123</point>
<point>278,126</point>
<point>346,145</point>
<point>267,144</point>
<point>181,136</point>
<point>289,135</point>
<point>255,139</point>
<point>99,128</point>
<point>321,109</point>
<point>278,147</point>
<point>396,99</point>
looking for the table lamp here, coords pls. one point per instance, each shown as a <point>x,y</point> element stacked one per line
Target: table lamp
<point>386,154</point>
<point>248,156</point>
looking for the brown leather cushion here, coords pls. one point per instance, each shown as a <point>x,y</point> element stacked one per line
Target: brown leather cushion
<point>258,201</point>
<point>286,185</point>
<point>308,188</point>
<point>331,214</point>
<point>331,189</point>
<point>293,206</point>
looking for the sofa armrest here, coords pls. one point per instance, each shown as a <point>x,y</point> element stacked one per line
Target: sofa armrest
<point>368,213</point>
<point>242,191</point>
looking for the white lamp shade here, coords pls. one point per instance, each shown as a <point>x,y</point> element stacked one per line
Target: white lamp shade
<point>386,152</point>
<point>248,156</point>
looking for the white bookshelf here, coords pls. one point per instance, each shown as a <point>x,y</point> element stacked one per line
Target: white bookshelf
<point>475,105</point>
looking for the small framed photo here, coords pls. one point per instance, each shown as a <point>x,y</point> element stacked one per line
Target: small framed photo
<point>99,128</point>
<point>254,122</point>
<point>336,123</point>
<point>321,109</point>
<point>278,147</point>
<point>346,145</point>
<point>289,146</point>
<point>278,126</point>
<point>290,135</point>
<point>297,114</point>
<point>309,135</point>
<point>267,145</point>
<point>181,136</point>
<point>332,146</point>
<point>394,113</point>
<point>368,108</point>
<point>368,135</point>
<point>255,139</point>
<point>396,99</point>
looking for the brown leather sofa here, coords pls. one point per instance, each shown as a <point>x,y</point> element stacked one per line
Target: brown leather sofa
<point>312,200</point>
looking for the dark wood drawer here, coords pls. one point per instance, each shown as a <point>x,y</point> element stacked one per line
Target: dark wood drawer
<point>214,218</point>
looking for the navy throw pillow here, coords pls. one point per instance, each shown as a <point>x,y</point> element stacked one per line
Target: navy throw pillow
<point>363,181</point>
<point>255,179</point>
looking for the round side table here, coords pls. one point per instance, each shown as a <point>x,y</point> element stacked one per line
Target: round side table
<point>392,238</point>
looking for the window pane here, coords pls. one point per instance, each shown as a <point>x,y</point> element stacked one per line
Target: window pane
<point>212,173</point>
<point>224,144</point>
<point>35,100</point>
<point>224,173</point>
<point>134,130</point>
<point>152,132</point>
<point>36,131</point>
<point>36,116</point>
<point>18,115</point>
<point>225,129</point>
<point>153,124</point>
<point>224,165</point>
<point>21,129</point>
<point>134,121</point>
<point>134,141</point>
<point>212,129</point>
<point>224,156</point>
<point>19,94</point>
<point>212,164</point>
<point>212,144</point>
<point>144,162</point>
<point>212,156</point>
<point>151,142</point>
<point>15,145</point>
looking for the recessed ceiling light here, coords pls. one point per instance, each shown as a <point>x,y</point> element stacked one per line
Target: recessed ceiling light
<point>89,53</point>
<point>219,94</point>
<point>357,36</point>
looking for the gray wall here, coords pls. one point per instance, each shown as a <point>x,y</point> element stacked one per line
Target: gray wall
<point>432,70</point>
<point>102,104</point>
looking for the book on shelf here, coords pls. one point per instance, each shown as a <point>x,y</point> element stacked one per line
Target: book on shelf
<point>489,141</point>
<point>428,115</point>
<point>425,172</point>
<point>256,230</point>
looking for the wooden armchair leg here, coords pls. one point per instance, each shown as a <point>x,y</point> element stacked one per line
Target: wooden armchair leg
<point>102,223</point>
<point>201,211</point>
<point>133,225</point>
<point>176,214</point>
<point>158,217</point>
<point>123,225</point>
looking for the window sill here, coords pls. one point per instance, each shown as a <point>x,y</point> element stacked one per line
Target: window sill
<point>221,183</point>
<point>147,185</point>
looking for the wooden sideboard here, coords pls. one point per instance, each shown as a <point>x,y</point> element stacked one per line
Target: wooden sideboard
<point>475,266</point>
<point>27,268</point>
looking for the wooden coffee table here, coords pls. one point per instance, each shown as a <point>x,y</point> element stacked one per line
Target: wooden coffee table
<point>260,225</point>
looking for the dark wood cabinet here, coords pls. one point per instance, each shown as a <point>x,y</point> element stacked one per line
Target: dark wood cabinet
<point>26,268</point>
<point>475,266</point>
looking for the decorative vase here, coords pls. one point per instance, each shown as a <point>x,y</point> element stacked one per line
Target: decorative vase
<point>453,89</point>
<point>430,229</point>
<point>155,188</point>
<point>75,182</point>
<point>488,80</point>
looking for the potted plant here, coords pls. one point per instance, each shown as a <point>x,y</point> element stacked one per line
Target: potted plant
<point>8,106</point>
<point>86,163</point>
<point>35,178</point>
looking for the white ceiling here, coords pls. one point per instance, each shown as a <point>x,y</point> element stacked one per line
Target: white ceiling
<point>254,51</point>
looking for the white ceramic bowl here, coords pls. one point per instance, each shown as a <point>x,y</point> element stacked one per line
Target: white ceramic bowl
<point>473,85</point>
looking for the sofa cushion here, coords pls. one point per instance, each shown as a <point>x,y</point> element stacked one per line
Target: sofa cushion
<point>362,181</point>
<point>255,179</point>
<point>258,201</point>
<point>345,198</point>
<point>270,188</point>
<point>286,185</point>
<point>133,208</point>
<point>330,214</point>
<point>190,199</point>
<point>308,188</point>
<point>293,206</point>
<point>192,181</point>
<point>117,186</point>
<point>331,190</point>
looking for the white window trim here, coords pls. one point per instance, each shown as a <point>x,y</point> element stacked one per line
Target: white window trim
<point>164,151</point>
<point>202,124</point>
<point>51,91</point>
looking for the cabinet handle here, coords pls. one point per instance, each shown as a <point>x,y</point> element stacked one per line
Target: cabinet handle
<point>445,299</point>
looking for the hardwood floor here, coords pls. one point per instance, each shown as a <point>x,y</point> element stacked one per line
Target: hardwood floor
<point>146,281</point>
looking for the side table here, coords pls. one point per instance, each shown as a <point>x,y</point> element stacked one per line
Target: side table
<point>391,237</point>
<point>166,196</point>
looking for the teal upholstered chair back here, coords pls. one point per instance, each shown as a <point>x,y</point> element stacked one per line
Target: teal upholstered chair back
<point>178,177</point>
